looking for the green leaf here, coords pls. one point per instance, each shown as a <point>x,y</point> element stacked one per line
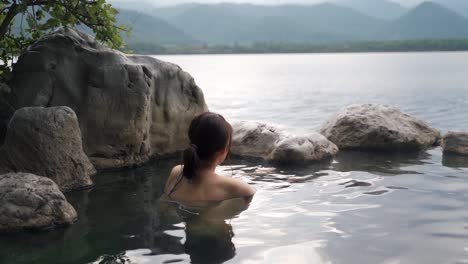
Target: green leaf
<point>97,15</point>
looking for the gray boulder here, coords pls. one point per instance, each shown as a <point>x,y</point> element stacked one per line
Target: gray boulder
<point>6,111</point>
<point>47,142</point>
<point>251,139</point>
<point>29,202</point>
<point>378,127</point>
<point>129,107</point>
<point>455,142</point>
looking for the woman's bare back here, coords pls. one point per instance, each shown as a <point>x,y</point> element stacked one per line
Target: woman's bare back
<point>208,187</point>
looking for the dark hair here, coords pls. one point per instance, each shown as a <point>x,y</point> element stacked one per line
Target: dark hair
<point>208,133</point>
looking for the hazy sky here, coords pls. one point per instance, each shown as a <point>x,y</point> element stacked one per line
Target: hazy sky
<point>173,2</point>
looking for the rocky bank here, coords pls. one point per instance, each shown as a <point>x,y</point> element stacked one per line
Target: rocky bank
<point>47,142</point>
<point>129,107</point>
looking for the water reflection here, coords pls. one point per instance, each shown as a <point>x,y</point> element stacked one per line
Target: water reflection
<point>380,163</point>
<point>209,241</point>
<point>208,235</point>
<point>454,160</point>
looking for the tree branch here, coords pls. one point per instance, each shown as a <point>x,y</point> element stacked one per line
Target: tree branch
<point>38,2</point>
<point>12,12</point>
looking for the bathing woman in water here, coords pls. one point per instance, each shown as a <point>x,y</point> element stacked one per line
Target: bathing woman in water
<point>196,181</point>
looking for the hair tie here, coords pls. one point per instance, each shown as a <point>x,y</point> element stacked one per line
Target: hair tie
<point>194,147</point>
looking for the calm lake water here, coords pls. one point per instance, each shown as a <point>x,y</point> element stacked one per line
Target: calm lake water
<point>359,208</point>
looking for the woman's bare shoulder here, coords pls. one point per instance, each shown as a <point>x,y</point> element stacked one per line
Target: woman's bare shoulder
<point>236,187</point>
<point>176,171</point>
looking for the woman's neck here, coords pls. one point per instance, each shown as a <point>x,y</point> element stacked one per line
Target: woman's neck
<point>206,173</point>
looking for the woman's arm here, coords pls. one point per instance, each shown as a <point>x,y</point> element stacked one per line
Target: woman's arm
<point>172,177</point>
<point>237,188</point>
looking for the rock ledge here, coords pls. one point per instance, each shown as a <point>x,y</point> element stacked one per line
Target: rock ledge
<point>129,107</point>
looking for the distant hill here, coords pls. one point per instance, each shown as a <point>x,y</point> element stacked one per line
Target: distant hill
<point>382,9</point>
<point>428,20</point>
<point>170,12</point>
<point>251,27</point>
<point>229,24</point>
<point>148,29</point>
<point>459,6</point>
<point>136,5</point>
<point>246,23</point>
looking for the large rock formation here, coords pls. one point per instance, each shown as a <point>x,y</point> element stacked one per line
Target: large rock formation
<point>129,107</point>
<point>30,202</point>
<point>47,142</point>
<point>378,127</point>
<point>6,111</point>
<point>259,140</point>
<point>456,143</point>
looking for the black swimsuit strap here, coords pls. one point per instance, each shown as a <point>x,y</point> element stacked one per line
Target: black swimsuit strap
<point>178,181</point>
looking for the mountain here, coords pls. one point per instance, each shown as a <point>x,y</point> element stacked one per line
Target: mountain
<point>382,9</point>
<point>428,21</point>
<point>170,12</point>
<point>149,29</point>
<point>459,6</point>
<point>136,5</point>
<point>230,24</point>
<point>247,23</point>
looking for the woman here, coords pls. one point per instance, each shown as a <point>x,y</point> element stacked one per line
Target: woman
<point>196,182</point>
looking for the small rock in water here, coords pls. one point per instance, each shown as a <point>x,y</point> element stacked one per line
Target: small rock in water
<point>265,141</point>
<point>31,202</point>
<point>378,127</point>
<point>456,143</point>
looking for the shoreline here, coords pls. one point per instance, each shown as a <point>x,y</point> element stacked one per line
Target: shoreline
<point>429,45</point>
<point>302,53</point>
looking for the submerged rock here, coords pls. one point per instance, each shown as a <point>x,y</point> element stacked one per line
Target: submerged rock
<point>47,142</point>
<point>30,202</point>
<point>129,107</point>
<point>456,143</point>
<point>378,127</point>
<point>260,140</point>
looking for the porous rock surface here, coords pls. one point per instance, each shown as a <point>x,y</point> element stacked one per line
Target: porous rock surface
<point>378,127</point>
<point>455,142</point>
<point>129,107</point>
<point>29,202</point>
<point>252,139</point>
<point>47,142</point>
